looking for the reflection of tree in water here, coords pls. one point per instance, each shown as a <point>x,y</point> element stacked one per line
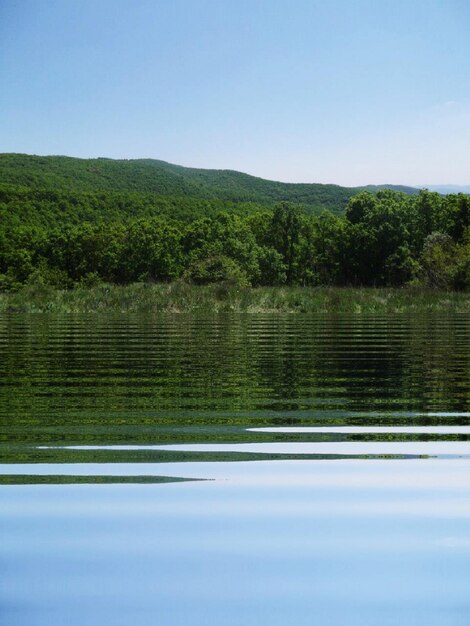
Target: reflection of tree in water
<point>172,378</point>
<point>439,373</point>
<point>333,363</point>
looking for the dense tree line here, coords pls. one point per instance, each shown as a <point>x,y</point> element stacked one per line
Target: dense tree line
<point>53,208</point>
<point>383,239</point>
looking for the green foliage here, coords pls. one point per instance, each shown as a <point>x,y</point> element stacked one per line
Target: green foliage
<point>151,178</point>
<point>217,269</point>
<point>323,250</point>
<point>381,238</point>
<point>71,222</point>
<point>272,269</point>
<point>151,251</point>
<point>457,209</point>
<point>227,238</point>
<point>445,264</point>
<point>360,207</point>
<point>284,235</point>
<point>436,260</point>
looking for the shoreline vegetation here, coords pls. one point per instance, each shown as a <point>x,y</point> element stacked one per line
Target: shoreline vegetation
<point>180,297</point>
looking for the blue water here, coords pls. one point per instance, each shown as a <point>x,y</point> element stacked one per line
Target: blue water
<point>312,524</point>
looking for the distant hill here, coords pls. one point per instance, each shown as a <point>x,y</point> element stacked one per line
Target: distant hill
<point>448,189</point>
<point>165,180</point>
<point>401,188</point>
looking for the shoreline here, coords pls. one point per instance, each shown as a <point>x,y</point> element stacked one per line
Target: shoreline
<point>222,298</point>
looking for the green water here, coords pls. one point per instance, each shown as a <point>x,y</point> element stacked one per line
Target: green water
<point>257,469</point>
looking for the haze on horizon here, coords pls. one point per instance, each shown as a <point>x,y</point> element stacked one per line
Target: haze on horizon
<point>301,91</point>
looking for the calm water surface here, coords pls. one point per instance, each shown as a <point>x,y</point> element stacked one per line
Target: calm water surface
<point>234,470</point>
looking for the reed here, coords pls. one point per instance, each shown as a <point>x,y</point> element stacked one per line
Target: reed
<point>180,297</point>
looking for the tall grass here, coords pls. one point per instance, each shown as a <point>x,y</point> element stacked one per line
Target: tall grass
<point>183,298</point>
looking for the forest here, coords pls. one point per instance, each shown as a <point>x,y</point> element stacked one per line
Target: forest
<point>158,179</point>
<point>55,232</point>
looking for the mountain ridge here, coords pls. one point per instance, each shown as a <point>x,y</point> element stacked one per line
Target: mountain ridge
<point>57,172</point>
<point>447,189</point>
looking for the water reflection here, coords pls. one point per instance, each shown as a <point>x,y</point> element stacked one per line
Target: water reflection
<point>234,470</point>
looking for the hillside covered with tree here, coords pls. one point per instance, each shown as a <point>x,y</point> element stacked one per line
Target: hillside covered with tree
<point>164,180</point>
<point>58,228</point>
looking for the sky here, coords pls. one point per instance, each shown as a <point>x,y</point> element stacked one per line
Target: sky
<point>340,91</point>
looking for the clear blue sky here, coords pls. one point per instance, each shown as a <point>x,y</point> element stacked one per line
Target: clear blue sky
<point>344,91</point>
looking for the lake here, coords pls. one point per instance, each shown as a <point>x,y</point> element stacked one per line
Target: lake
<point>235,470</point>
